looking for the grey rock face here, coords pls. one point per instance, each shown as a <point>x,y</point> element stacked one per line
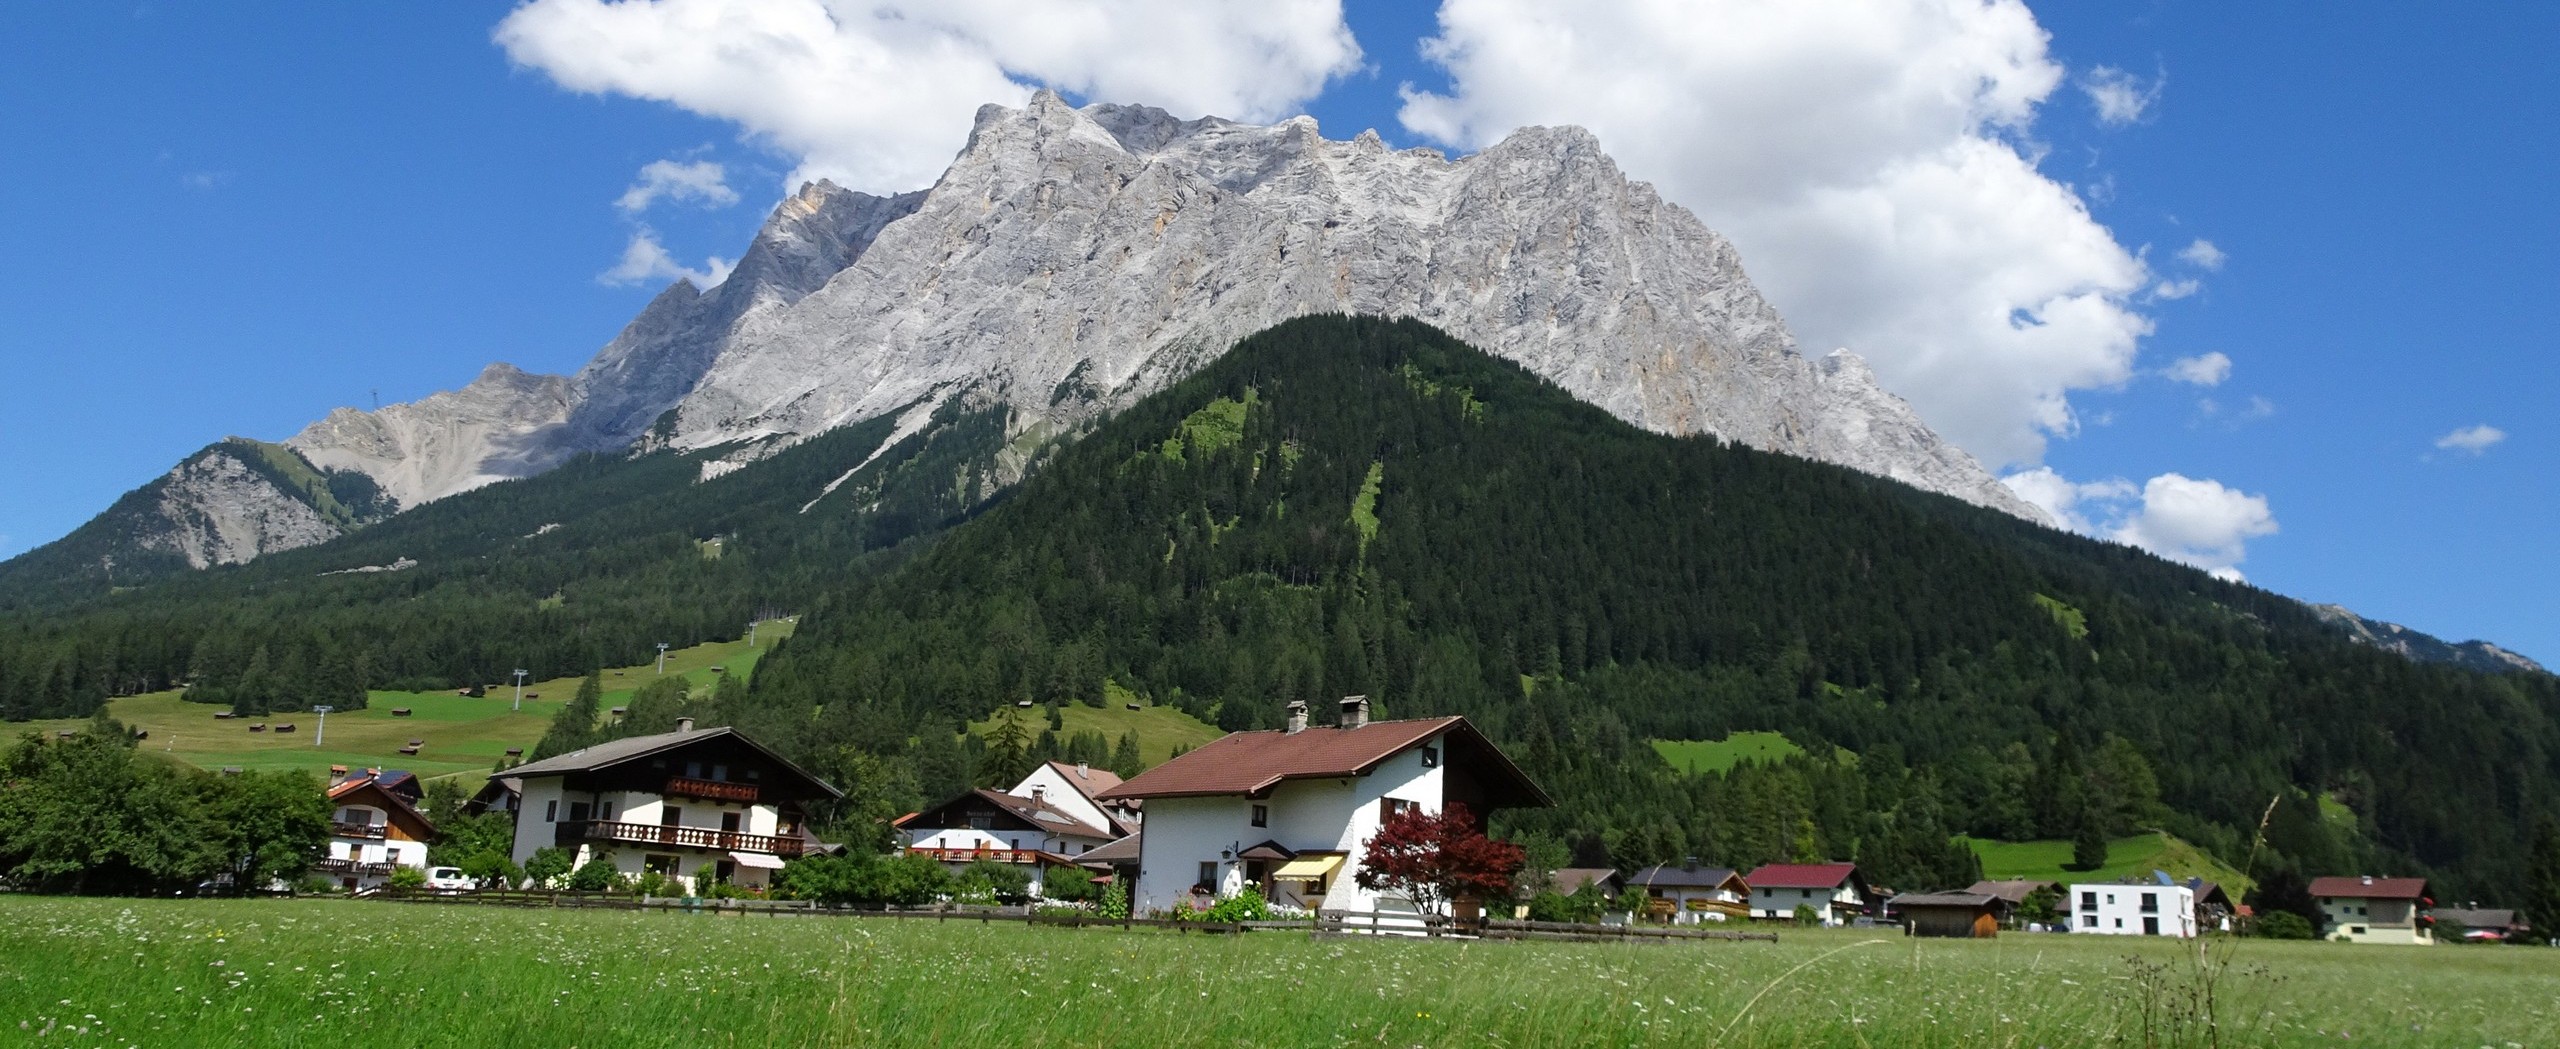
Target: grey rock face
<point>217,510</point>
<point>2425,648</point>
<point>495,428</point>
<point>1072,261</point>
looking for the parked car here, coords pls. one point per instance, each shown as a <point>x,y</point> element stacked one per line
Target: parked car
<point>450,879</point>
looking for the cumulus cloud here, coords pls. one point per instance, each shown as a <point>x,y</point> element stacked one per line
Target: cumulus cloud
<point>879,95</point>
<point>2474,440</point>
<point>2202,255</point>
<point>2207,369</point>
<point>2196,521</point>
<point>2121,97</point>
<point>701,181</point>
<point>2177,289</point>
<point>646,261</point>
<point>1868,160</point>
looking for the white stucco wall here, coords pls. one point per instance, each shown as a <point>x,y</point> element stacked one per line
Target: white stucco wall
<point>1835,905</point>
<point>1061,791</point>
<point>1323,815</point>
<point>2353,919</point>
<point>2116,910</point>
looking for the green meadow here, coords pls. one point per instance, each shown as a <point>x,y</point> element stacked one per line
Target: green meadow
<point>464,736</point>
<point>2128,859</point>
<point>1717,755</point>
<point>1159,729</point>
<point>335,973</point>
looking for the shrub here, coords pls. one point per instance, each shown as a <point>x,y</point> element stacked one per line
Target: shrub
<point>1115,901</point>
<point>989,881</point>
<point>652,883</point>
<point>1806,915</point>
<point>314,885</point>
<point>1246,906</point>
<point>1069,883</point>
<point>408,877</point>
<point>2281,925</point>
<point>547,864</point>
<point>596,875</point>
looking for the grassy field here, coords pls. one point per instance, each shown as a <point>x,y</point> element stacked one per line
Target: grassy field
<point>1696,755</point>
<point>282,973</point>
<point>1159,729</point>
<point>2128,859</point>
<point>464,736</point>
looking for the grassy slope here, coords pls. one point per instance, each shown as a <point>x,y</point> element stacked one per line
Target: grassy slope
<point>1159,729</point>
<point>465,736</point>
<point>188,972</point>
<point>1697,755</point>
<point>2128,859</point>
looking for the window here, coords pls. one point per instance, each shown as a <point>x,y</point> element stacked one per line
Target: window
<point>669,816</point>
<point>754,775</point>
<point>2088,921</point>
<point>1208,877</point>
<point>2355,930</point>
<point>1430,757</point>
<point>1082,848</point>
<point>720,772</point>
<point>551,811</point>
<point>1806,893</point>
<point>2111,899</point>
<point>1388,807</point>
<point>693,770</point>
<point>607,813</point>
<point>2151,903</point>
<point>2088,901</point>
<point>580,812</point>
<point>1262,815</point>
<point>2151,926</point>
<point>982,821</point>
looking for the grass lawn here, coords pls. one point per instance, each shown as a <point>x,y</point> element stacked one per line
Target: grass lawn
<point>1695,755</point>
<point>335,973</point>
<point>1159,729</point>
<point>464,736</point>
<point>2128,859</point>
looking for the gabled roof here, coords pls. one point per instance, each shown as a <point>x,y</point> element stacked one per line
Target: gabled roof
<point>1675,876</point>
<point>1032,811</point>
<point>1086,778</point>
<point>1909,900</point>
<point>2015,891</point>
<point>1124,850</point>
<point>1249,763</point>
<point>2370,888</point>
<point>2478,918</point>
<point>1804,876</point>
<point>615,752</point>
<point>1569,880</point>
<point>371,789</point>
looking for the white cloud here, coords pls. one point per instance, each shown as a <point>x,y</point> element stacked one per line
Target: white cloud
<point>2203,255</point>
<point>2208,369</point>
<point>2177,289</point>
<point>645,261</point>
<point>879,95</point>
<point>2121,97</point>
<point>700,180</point>
<point>1864,157</point>
<point>2472,439</point>
<point>2194,521</point>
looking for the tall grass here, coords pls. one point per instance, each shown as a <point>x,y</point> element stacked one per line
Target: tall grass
<point>337,973</point>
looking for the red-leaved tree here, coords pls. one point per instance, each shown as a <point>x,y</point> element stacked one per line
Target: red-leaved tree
<point>1432,860</point>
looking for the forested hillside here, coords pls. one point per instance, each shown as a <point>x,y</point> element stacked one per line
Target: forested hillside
<point>1360,506</point>
<point>589,564</point>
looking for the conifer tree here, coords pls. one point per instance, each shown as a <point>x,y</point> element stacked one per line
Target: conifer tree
<point>574,727</point>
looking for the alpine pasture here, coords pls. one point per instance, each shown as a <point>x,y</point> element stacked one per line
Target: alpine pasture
<point>385,975</point>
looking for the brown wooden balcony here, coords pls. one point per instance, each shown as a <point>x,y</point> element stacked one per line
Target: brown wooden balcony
<point>691,837</point>
<point>355,867</point>
<point>715,790</point>
<point>373,831</point>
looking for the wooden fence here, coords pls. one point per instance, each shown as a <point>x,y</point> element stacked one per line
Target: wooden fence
<point>1326,923</point>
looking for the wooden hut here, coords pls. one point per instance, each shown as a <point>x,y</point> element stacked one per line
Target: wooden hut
<point>1949,914</point>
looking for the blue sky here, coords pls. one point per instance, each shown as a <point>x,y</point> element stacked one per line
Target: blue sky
<point>230,219</point>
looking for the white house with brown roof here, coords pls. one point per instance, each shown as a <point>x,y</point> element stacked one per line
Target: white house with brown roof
<point>1836,891</point>
<point>1288,810</point>
<point>2366,909</point>
<point>685,804</point>
<point>375,828</point>
<point>1685,894</point>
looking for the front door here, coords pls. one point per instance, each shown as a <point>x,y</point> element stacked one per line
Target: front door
<point>669,817</point>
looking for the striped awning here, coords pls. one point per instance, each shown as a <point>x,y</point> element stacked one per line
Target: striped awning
<point>1309,868</point>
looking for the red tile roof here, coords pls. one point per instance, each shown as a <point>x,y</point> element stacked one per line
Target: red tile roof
<point>2370,888</point>
<point>1253,762</point>
<point>1801,875</point>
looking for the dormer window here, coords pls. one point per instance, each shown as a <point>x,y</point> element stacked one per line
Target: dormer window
<point>1430,757</point>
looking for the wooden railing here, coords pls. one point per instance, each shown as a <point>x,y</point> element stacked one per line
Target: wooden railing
<point>356,867</point>
<point>715,790</point>
<point>374,831</point>
<point>692,837</point>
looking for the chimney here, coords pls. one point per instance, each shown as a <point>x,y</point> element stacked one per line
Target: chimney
<point>1297,716</point>
<point>684,724</point>
<point>1084,770</point>
<point>1355,711</point>
<point>1039,793</point>
<point>2368,879</point>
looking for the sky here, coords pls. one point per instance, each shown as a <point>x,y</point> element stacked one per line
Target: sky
<point>2266,288</point>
